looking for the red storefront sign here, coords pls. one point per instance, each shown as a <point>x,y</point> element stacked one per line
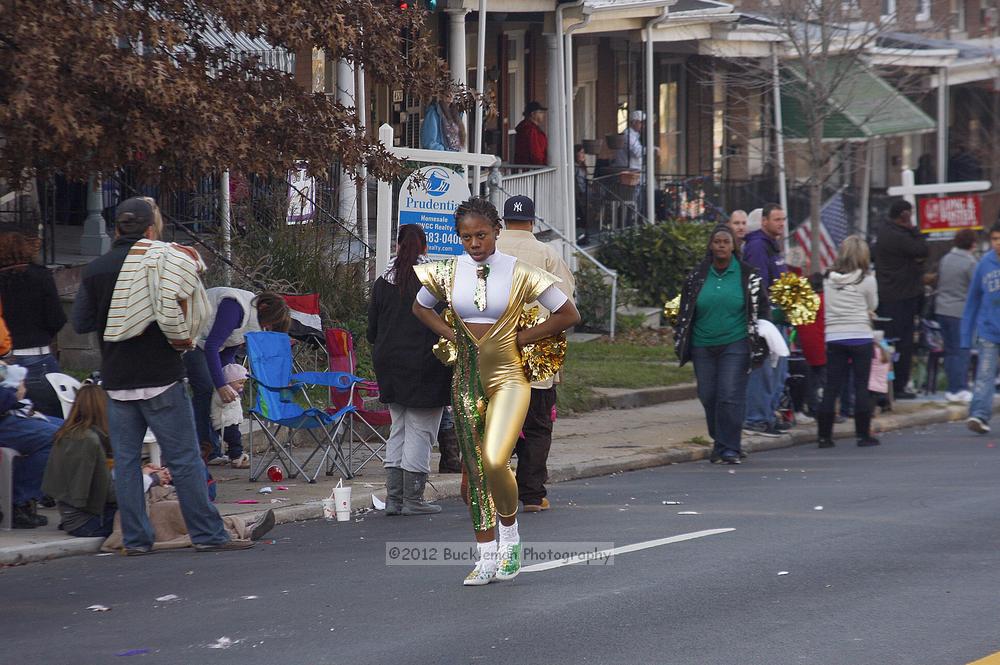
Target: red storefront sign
<point>940,214</point>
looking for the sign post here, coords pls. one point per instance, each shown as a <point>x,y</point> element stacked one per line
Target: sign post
<point>383,216</point>
<point>432,205</point>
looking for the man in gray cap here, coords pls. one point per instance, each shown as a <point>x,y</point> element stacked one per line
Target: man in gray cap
<point>532,450</point>
<point>145,379</point>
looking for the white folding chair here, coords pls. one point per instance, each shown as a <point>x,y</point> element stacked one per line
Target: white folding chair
<point>66,387</point>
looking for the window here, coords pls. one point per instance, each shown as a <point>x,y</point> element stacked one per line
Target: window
<point>889,9</point>
<point>923,10</point>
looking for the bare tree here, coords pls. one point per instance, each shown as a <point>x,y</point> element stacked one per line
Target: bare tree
<point>822,48</point>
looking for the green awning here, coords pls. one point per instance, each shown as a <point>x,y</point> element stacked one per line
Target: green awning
<point>865,105</point>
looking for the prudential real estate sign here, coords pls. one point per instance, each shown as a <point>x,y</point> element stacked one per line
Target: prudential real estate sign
<point>432,205</point>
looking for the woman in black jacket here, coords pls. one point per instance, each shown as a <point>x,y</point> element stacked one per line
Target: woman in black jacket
<point>411,380</point>
<point>34,315</point>
<point>717,329</point>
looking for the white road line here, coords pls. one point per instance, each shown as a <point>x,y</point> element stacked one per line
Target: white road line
<point>624,549</point>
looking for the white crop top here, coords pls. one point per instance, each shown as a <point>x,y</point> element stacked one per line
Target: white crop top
<point>498,285</point>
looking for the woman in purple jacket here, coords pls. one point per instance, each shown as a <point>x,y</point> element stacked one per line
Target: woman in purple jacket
<point>235,313</point>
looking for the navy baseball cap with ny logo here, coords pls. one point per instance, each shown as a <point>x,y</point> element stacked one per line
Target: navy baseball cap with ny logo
<point>519,209</point>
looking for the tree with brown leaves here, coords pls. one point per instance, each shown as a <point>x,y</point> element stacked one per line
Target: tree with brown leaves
<point>162,86</point>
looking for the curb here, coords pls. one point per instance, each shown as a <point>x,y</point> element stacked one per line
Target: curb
<point>448,486</point>
<point>634,399</point>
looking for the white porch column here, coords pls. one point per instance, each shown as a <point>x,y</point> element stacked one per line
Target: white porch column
<point>347,209</point>
<point>942,125</point>
<point>555,126</point>
<point>457,56</point>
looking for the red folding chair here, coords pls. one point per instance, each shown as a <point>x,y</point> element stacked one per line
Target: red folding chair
<point>360,449</point>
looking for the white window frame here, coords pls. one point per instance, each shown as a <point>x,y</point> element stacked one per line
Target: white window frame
<point>888,9</point>
<point>923,11</point>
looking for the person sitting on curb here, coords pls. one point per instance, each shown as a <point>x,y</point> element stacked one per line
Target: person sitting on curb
<point>30,434</point>
<point>79,476</point>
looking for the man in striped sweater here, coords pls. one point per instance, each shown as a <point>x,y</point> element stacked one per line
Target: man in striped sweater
<point>142,370</point>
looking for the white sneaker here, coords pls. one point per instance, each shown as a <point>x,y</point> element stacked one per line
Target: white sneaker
<point>966,396</point>
<point>961,397</point>
<point>221,460</point>
<point>977,425</point>
<point>482,574</point>
<point>803,419</point>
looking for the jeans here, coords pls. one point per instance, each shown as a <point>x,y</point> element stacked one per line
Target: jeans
<point>956,359</point>
<point>234,441</point>
<point>721,373</point>
<point>97,526</point>
<point>202,389</point>
<point>900,329</point>
<point>40,391</point>
<point>170,417</point>
<point>859,357</point>
<point>32,439</point>
<point>764,390</point>
<point>986,373</point>
<point>532,448</point>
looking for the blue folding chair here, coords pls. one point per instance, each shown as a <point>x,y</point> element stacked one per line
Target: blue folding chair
<point>281,417</point>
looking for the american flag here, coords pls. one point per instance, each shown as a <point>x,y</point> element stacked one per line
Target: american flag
<point>833,229</point>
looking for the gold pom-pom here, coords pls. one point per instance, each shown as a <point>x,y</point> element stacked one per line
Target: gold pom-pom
<point>445,350</point>
<point>795,297</point>
<point>541,359</point>
<point>672,309</point>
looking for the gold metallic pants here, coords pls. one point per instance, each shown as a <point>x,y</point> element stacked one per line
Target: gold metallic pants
<point>490,398</point>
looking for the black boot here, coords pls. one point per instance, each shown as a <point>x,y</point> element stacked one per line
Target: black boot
<point>451,460</point>
<point>413,495</point>
<point>824,426</point>
<point>863,430</point>
<point>26,517</point>
<point>394,490</point>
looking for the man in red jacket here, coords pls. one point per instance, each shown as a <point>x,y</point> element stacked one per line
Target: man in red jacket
<point>532,145</point>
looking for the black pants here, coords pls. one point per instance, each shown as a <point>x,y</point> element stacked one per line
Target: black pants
<point>902,313</point>
<point>533,450</point>
<point>837,357</point>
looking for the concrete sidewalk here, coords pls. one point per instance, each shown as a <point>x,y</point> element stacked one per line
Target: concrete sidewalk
<point>593,444</point>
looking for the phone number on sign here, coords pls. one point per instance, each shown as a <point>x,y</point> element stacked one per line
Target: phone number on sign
<point>442,238</point>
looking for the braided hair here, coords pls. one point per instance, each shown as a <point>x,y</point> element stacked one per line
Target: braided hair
<point>479,207</point>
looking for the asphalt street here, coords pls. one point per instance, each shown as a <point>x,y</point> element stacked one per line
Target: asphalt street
<point>900,565</point>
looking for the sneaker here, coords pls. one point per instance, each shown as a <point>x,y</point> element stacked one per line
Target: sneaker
<point>731,459</point>
<point>760,429</point>
<point>905,394</point>
<point>744,454</point>
<point>715,458</point>
<point>803,419</point>
<point>509,557</point>
<point>241,462</point>
<point>977,425</point>
<point>961,397</point>
<point>481,575</point>
<point>228,546</point>
<point>826,443</point>
<point>782,426</point>
<point>262,525</point>
<point>138,551</point>
<point>866,441</point>
<point>221,460</point>
<point>840,418</point>
<point>537,507</point>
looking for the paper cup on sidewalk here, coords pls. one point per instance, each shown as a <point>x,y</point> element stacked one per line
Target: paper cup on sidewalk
<point>342,498</point>
<point>329,508</point>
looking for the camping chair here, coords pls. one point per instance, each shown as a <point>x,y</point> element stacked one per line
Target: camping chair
<point>280,417</point>
<point>340,348</point>
<point>66,387</point>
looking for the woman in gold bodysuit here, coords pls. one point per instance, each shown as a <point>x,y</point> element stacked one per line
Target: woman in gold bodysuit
<point>485,292</point>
